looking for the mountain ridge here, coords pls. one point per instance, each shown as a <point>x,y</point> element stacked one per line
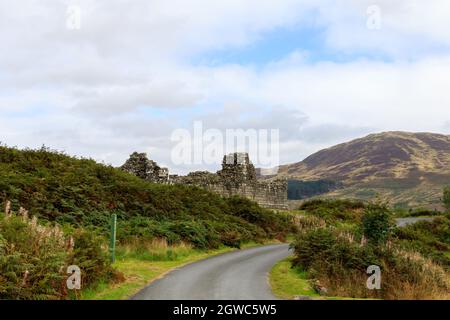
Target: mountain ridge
<point>395,164</point>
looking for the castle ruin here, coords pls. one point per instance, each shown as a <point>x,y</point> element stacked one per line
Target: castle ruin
<point>237,177</point>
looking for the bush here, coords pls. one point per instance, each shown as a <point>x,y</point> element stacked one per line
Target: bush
<point>91,255</point>
<point>430,238</point>
<point>377,223</point>
<point>31,261</point>
<point>34,258</point>
<point>333,248</point>
<point>307,222</point>
<point>334,211</point>
<point>339,204</point>
<point>413,259</point>
<point>337,262</point>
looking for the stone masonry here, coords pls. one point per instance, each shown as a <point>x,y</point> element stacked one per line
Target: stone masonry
<point>237,177</point>
<point>139,165</point>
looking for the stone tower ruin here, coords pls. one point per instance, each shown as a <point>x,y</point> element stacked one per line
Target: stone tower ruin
<point>237,177</point>
<point>139,165</point>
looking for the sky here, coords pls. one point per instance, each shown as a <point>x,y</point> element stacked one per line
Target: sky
<point>105,78</point>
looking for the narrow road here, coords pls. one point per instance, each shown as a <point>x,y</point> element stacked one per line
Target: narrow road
<point>238,275</point>
<point>403,222</point>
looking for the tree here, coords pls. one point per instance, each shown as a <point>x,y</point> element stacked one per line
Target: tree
<point>446,198</point>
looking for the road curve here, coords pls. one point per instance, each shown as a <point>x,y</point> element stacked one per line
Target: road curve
<point>237,275</point>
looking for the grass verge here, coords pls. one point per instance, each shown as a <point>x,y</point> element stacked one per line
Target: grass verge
<point>287,282</point>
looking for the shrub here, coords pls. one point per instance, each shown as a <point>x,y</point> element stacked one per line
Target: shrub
<point>336,252</point>
<point>34,258</point>
<point>274,225</point>
<point>333,248</point>
<point>334,211</point>
<point>308,222</point>
<point>430,238</point>
<point>31,260</point>
<point>337,262</point>
<point>408,275</point>
<point>340,204</point>
<point>91,255</point>
<point>377,223</point>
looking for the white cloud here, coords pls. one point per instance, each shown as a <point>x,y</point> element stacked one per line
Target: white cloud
<point>92,84</point>
<point>408,28</point>
<point>118,99</point>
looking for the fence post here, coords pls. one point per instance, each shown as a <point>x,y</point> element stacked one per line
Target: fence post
<point>112,241</point>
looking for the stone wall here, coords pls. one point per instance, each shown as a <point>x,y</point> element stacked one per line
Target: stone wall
<point>237,177</point>
<point>271,195</point>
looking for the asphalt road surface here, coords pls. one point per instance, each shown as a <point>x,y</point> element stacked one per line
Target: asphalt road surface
<point>238,275</point>
<point>403,222</point>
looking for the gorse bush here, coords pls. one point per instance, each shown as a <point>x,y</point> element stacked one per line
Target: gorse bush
<point>34,258</point>
<point>84,193</point>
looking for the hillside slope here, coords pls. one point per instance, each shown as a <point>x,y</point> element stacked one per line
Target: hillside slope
<point>406,168</point>
<point>56,187</point>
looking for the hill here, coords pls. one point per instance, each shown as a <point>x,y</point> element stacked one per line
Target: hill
<point>409,169</point>
<point>81,192</point>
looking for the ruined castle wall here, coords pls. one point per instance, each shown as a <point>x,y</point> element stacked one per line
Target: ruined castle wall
<point>272,195</point>
<point>267,195</point>
<point>237,177</point>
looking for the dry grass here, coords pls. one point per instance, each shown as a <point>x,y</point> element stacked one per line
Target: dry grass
<point>424,280</point>
<point>154,250</point>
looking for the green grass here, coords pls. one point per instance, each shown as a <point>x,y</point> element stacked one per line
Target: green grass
<point>288,282</point>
